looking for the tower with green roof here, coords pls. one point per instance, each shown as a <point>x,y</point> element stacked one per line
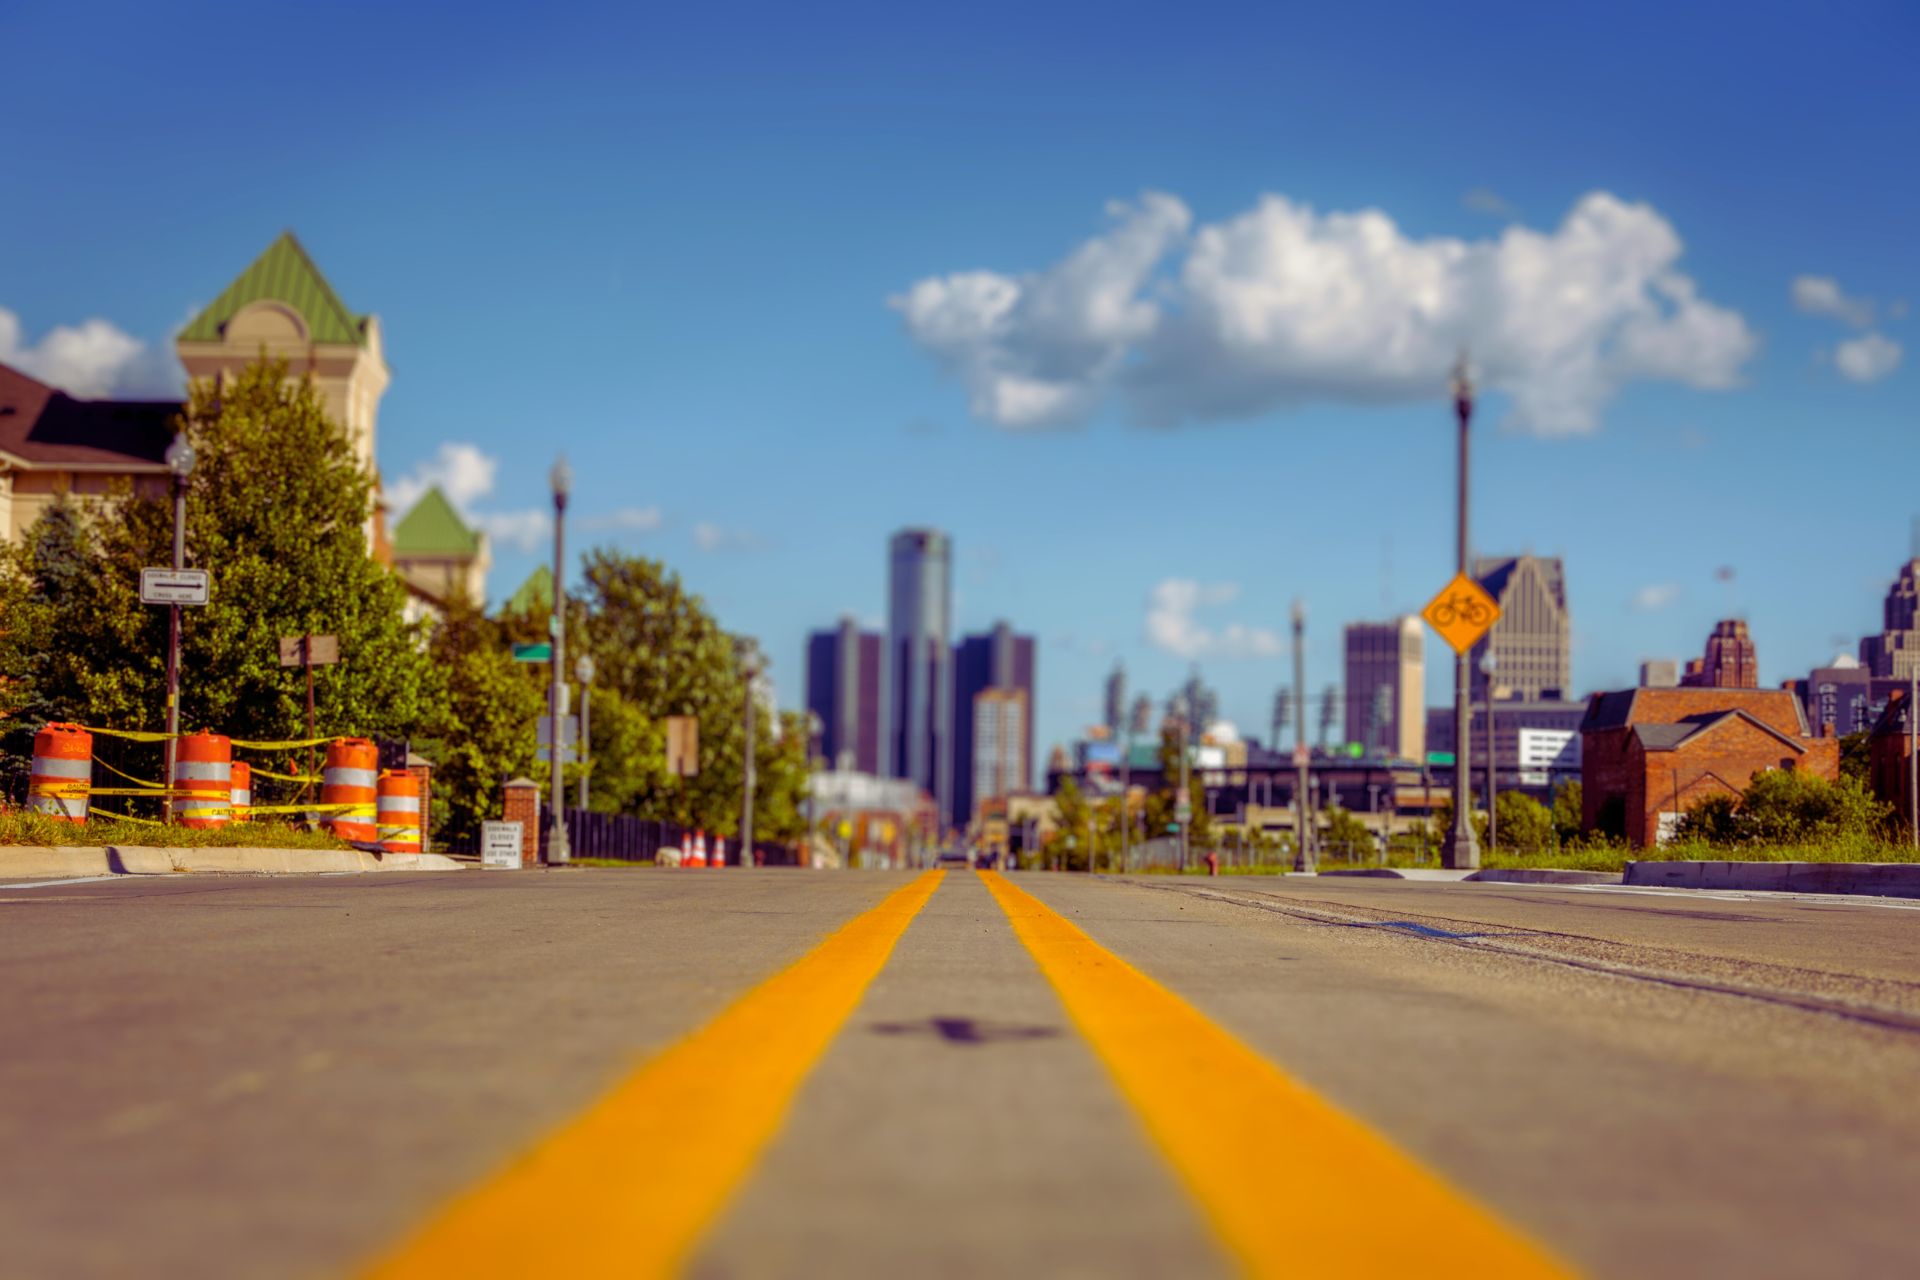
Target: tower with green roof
<point>438,554</point>
<point>282,307</point>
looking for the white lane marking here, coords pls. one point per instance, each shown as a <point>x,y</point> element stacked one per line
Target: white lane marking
<point>1745,895</point>
<point>48,884</point>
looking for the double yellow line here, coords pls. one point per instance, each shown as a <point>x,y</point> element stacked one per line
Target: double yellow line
<point>631,1186</point>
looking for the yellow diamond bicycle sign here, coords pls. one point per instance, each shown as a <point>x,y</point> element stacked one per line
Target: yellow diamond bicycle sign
<point>1462,613</point>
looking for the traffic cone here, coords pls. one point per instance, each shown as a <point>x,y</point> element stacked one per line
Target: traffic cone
<point>699,858</point>
<point>719,851</point>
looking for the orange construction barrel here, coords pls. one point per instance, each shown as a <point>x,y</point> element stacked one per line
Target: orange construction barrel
<point>399,812</point>
<point>202,780</point>
<point>351,778</point>
<point>62,776</point>
<point>242,790</point>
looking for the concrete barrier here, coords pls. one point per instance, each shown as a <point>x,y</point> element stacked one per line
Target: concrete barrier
<point>30,862</point>
<point>1875,879</point>
<point>1544,875</point>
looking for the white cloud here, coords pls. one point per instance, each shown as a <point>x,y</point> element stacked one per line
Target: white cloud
<point>1486,200</point>
<point>462,471</point>
<point>629,519</point>
<point>1657,596</point>
<point>713,537</point>
<point>1867,358</point>
<point>1281,305</point>
<point>1171,624</point>
<point>526,530</point>
<point>1822,296</point>
<point>92,360</point>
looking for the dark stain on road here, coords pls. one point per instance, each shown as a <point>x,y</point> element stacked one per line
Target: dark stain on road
<point>965,1030</point>
<point>1424,930</point>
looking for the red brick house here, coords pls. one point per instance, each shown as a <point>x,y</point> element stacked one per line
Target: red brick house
<point>1649,755</point>
<point>1888,744</point>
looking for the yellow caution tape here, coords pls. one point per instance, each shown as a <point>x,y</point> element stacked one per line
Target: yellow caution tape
<point>155,786</point>
<point>142,735</point>
<point>122,817</point>
<point>258,772</point>
<point>131,735</point>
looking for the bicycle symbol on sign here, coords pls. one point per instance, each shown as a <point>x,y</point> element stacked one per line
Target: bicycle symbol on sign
<point>1461,606</point>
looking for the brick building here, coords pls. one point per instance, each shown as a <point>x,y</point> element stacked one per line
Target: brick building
<point>1649,755</point>
<point>1888,747</point>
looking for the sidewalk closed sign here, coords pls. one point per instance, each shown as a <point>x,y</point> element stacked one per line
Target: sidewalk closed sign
<point>500,844</point>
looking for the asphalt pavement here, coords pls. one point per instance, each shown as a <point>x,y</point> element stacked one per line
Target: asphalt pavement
<point>226,1076</point>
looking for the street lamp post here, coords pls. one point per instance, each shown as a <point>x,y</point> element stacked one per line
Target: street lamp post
<point>1302,830</point>
<point>1461,851</point>
<point>814,726</point>
<point>1183,804</point>
<point>583,672</point>
<point>1493,821</point>
<point>750,671</point>
<point>180,459</point>
<point>558,853</point>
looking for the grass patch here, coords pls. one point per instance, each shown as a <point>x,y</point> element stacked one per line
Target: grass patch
<point>20,827</point>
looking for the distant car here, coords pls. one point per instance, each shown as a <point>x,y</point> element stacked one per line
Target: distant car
<point>955,857</point>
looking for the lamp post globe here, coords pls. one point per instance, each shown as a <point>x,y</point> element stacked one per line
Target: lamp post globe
<point>180,455</point>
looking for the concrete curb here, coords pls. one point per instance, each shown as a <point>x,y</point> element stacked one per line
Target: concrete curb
<point>1544,875</point>
<point>1403,873</point>
<point>36,861</point>
<point>1874,879</point>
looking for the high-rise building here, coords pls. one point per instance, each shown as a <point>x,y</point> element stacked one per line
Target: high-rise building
<point>997,662</point>
<point>1531,644</point>
<point>1729,662</point>
<point>1893,653</point>
<point>846,677</point>
<point>918,729</point>
<point>999,736</point>
<point>1116,700</point>
<point>1386,687</point>
<point>1659,673</point>
<point>1839,697</point>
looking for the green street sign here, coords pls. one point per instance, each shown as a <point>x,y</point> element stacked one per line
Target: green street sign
<point>1173,828</point>
<point>542,652</point>
<point>1439,757</point>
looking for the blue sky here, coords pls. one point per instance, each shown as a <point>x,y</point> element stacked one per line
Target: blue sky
<point>1158,380</point>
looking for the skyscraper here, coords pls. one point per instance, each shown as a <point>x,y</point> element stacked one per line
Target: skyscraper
<point>988,669</point>
<point>1532,643</point>
<point>1386,687</point>
<point>1893,653</point>
<point>1729,662</point>
<point>1116,700</point>
<point>846,677</point>
<point>919,725</point>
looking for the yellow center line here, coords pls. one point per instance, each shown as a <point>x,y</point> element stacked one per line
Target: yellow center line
<point>629,1186</point>
<point>1293,1185</point>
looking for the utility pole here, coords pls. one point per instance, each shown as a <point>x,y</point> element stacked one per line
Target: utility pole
<point>1303,858</point>
<point>1183,806</point>
<point>583,670</point>
<point>1913,753</point>
<point>558,854</point>
<point>750,669</point>
<point>180,458</point>
<point>1493,754</point>
<point>1461,849</point>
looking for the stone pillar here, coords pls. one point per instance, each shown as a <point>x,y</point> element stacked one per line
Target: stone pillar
<point>420,769</point>
<point>521,804</point>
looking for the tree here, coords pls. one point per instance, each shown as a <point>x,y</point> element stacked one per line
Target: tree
<point>1347,834</point>
<point>486,734</point>
<point>1526,826</point>
<point>1443,823</point>
<point>1788,806</point>
<point>278,509</point>
<point>1568,798</point>
<point>1068,843</point>
<point>1856,758</point>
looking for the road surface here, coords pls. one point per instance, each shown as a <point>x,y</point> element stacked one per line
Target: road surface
<point>779,1073</point>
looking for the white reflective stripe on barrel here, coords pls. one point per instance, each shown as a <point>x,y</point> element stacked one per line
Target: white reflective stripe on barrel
<point>338,776</point>
<point>242,797</point>
<point>69,806</point>
<point>400,804</point>
<point>202,771</point>
<point>58,767</point>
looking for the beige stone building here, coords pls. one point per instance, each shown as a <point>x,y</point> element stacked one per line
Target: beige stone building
<point>52,443</point>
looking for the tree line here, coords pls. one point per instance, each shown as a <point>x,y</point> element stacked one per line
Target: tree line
<point>279,512</point>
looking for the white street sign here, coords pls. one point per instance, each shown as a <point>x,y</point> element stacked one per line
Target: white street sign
<point>173,586</point>
<point>569,731</point>
<point>500,844</point>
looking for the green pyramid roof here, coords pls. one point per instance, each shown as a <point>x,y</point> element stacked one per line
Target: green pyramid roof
<point>535,593</point>
<point>434,528</point>
<point>284,273</point>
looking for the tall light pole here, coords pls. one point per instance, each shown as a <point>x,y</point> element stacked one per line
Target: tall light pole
<point>749,671</point>
<point>1302,829</point>
<point>583,672</point>
<point>814,726</point>
<point>1183,805</point>
<point>180,459</point>
<point>1461,850</point>
<point>558,853</point>
<point>1493,753</point>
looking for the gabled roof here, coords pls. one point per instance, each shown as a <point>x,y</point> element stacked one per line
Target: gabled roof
<point>1779,709</point>
<point>284,273</point>
<point>44,426</point>
<point>534,594</point>
<point>434,528</point>
<point>1893,717</point>
<point>1671,737</point>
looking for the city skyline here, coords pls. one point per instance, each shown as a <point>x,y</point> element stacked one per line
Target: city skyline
<point>760,415</point>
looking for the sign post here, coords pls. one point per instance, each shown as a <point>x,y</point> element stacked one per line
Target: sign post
<point>1462,613</point>
<point>309,651</point>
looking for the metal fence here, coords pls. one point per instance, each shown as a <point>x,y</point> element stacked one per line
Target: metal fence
<point>621,838</point>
